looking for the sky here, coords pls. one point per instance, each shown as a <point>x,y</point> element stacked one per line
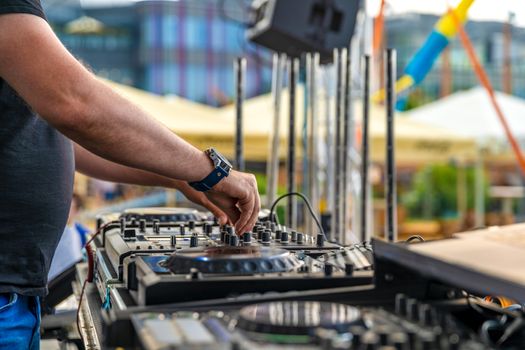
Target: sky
<point>480,10</point>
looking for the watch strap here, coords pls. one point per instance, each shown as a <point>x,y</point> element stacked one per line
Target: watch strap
<point>209,181</point>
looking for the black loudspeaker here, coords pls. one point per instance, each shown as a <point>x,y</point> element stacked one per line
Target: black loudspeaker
<point>298,26</point>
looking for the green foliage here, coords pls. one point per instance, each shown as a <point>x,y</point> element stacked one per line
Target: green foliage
<point>434,192</point>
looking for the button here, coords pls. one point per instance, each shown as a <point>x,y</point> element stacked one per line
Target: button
<point>129,233</point>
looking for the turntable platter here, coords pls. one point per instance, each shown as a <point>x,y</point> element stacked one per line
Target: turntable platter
<point>297,317</point>
<point>233,260</point>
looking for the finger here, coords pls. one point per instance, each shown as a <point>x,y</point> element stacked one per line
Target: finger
<point>255,213</point>
<point>221,216</point>
<point>246,207</point>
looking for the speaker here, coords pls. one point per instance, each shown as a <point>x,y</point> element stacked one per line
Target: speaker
<point>298,26</point>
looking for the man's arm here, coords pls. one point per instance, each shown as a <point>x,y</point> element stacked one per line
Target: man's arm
<point>92,165</point>
<point>62,91</point>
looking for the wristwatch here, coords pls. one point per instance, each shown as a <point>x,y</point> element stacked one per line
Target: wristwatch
<point>221,170</point>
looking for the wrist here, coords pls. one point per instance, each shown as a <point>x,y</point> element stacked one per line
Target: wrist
<point>221,168</point>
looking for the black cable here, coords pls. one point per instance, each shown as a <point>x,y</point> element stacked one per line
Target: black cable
<point>308,205</point>
<point>415,238</point>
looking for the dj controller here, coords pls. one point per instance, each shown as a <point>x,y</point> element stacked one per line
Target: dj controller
<point>173,278</point>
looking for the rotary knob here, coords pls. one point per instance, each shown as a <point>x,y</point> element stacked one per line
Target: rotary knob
<point>278,235</point>
<point>293,236</point>
<point>191,224</point>
<point>320,240</point>
<point>156,226</point>
<point>266,237</point>
<point>194,241</point>
<point>284,237</point>
<point>300,238</point>
<point>247,237</point>
<point>182,229</point>
<point>142,225</point>
<point>401,304</point>
<point>234,240</point>
<point>173,241</point>
<point>227,237</point>
<point>357,334</point>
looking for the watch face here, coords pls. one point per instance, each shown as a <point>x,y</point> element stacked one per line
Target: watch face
<point>218,159</point>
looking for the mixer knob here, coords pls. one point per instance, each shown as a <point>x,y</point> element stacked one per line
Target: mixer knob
<point>156,226</point>
<point>182,229</point>
<point>230,229</point>
<point>399,341</point>
<point>349,269</point>
<point>426,315</point>
<point>369,341</point>
<point>173,240</point>
<point>401,304</point>
<point>412,309</point>
<point>284,237</point>
<point>268,224</point>
<point>191,224</point>
<point>142,225</point>
<point>357,334</point>
<point>278,235</point>
<point>300,238</point>
<point>320,240</point>
<point>383,333</point>
<point>273,226</point>
<point>208,230</point>
<point>234,240</point>
<point>194,241</point>
<point>266,237</point>
<point>223,233</point>
<point>328,270</point>
<point>293,236</point>
<point>227,237</point>
<point>247,237</point>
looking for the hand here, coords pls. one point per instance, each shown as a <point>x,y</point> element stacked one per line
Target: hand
<point>238,197</point>
<point>201,199</point>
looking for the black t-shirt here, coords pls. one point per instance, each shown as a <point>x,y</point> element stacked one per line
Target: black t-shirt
<point>36,183</point>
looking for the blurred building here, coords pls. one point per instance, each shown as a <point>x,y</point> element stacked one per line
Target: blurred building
<point>186,48</point>
<point>407,32</point>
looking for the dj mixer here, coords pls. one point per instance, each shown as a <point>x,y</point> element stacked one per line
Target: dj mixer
<point>175,279</point>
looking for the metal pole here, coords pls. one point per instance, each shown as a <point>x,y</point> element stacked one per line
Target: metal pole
<point>313,181</point>
<point>293,72</point>
<point>336,208</point>
<point>391,209</point>
<point>272,168</point>
<point>479,195</point>
<point>346,143</point>
<point>240,71</point>
<point>364,150</point>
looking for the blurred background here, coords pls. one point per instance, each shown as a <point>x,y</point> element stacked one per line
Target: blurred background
<point>175,59</point>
